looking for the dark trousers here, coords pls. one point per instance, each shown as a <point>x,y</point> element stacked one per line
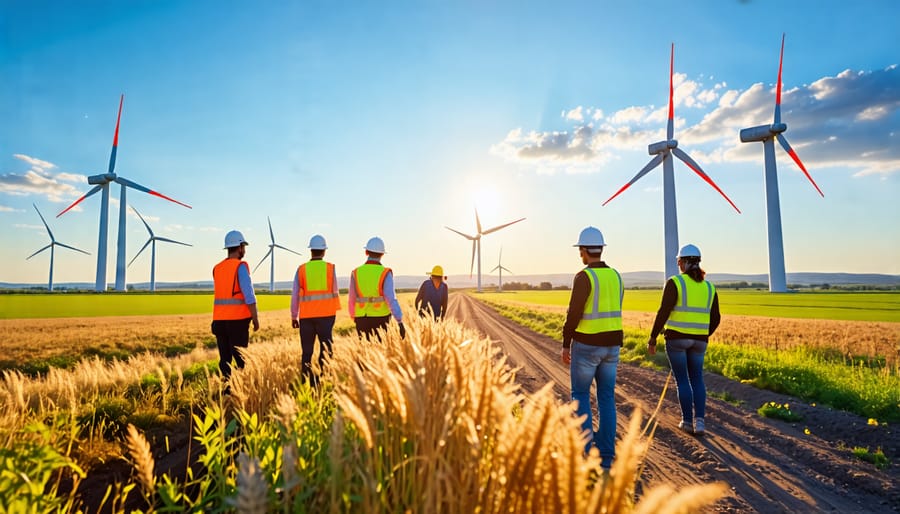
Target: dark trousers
<point>310,328</point>
<point>368,326</point>
<point>231,334</point>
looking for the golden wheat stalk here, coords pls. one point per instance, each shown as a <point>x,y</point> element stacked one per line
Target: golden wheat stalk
<point>141,460</point>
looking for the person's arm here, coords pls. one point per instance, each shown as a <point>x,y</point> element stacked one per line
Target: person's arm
<point>351,295</point>
<point>714,316</point>
<point>581,289</point>
<point>295,297</point>
<point>669,299</point>
<point>445,295</point>
<point>246,285</point>
<point>419,296</point>
<point>334,286</point>
<point>391,297</point>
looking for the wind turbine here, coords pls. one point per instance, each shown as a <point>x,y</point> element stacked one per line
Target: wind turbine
<point>664,150</point>
<point>501,269</point>
<point>476,242</point>
<point>152,242</point>
<point>101,183</point>
<point>271,253</point>
<point>767,134</point>
<point>51,246</point>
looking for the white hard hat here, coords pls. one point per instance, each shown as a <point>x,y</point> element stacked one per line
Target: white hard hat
<point>590,236</point>
<point>375,245</point>
<point>317,242</point>
<point>689,251</point>
<point>234,238</point>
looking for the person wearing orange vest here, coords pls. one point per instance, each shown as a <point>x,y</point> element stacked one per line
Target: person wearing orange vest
<point>314,304</point>
<point>371,296</point>
<point>234,306</point>
<point>689,313</point>
<point>592,338</point>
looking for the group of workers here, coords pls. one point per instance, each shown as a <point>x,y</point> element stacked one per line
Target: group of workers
<point>591,340</point>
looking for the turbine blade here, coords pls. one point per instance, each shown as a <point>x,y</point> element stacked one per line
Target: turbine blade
<point>488,231</point>
<point>266,256</point>
<point>670,127</point>
<point>45,222</point>
<point>793,154</point>
<point>477,221</point>
<point>39,251</point>
<point>506,270</point>
<point>167,240</point>
<point>142,219</point>
<point>495,269</point>
<point>112,155</point>
<point>467,236</point>
<point>271,234</point>
<point>778,86</point>
<point>472,267</point>
<point>134,185</point>
<point>141,250</point>
<point>692,164</point>
<point>654,162</point>
<point>72,248</point>
<point>288,249</point>
<point>89,193</point>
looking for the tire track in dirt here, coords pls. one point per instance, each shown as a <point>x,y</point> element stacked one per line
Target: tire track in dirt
<point>770,465</point>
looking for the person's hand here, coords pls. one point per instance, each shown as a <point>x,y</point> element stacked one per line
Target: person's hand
<point>295,323</point>
<point>566,356</point>
<point>402,331</point>
<point>651,346</point>
<point>255,325</point>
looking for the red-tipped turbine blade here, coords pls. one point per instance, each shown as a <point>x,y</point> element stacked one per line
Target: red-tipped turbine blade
<point>89,193</point>
<point>112,155</point>
<point>778,85</point>
<point>134,185</point>
<point>654,162</point>
<point>670,128</point>
<point>692,164</point>
<point>793,154</point>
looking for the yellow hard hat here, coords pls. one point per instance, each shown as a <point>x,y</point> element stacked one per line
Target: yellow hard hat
<point>437,271</point>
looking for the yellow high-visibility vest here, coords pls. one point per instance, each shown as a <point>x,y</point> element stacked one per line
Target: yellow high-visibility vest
<point>691,314</point>
<point>603,308</point>
<point>370,300</point>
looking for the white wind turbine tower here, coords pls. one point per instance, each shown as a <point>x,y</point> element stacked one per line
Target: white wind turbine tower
<point>664,150</point>
<point>271,254</point>
<point>152,242</point>
<point>51,246</point>
<point>101,183</point>
<point>499,267</point>
<point>476,242</point>
<point>767,134</point>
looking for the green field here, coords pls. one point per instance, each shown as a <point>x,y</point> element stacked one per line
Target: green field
<point>853,306</point>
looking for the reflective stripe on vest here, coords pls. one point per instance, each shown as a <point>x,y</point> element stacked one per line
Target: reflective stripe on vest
<point>691,314</point>
<point>228,300</point>
<point>369,281</point>
<point>318,297</point>
<point>603,308</point>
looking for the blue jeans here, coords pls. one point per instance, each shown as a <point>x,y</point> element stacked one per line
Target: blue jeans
<point>596,364</point>
<point>686,360</point>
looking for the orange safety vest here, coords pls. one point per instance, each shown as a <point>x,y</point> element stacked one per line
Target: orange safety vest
<point>229,300</point>
<point>317,295</point>
<point>369,281</point>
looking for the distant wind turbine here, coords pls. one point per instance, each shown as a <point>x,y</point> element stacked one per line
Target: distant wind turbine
<point>767,134</point>
<point>476,242</point>
<point>101,183</point>
<point>664,151</point>
<point>499,267</point>
<point>271,254</point>
<point>152,242</point>
<point>53,243</point>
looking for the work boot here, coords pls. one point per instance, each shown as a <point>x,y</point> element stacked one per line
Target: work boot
<point>685,427</point>
<point>699,426</point>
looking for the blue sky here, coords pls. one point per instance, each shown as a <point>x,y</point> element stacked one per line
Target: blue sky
<point>355,119</point>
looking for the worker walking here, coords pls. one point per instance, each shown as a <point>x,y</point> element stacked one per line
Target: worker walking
<point>314,305</point>
<point>234,304</point>
<point>592,337</point>
<point>690,311</point>
<point>431,299</point>
<point>371,296</point>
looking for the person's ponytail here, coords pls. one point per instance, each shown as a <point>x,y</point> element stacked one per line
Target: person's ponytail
<point>692,269</point>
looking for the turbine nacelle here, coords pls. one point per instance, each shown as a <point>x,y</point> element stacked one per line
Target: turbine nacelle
<point>762,132</point>
<point>662,146</point>
<point>103,178</point>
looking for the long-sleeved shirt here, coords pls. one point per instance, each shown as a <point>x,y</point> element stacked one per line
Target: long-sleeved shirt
<point>669,300</point>
<point>243,273</point>
<point>389,295</point>
<point>297,291</point>
<point>435,297</point>
<point>581,292</point>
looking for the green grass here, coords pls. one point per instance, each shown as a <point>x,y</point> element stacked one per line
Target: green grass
<point>854,306</point>
<point>778,411</point>
<point>878,458</point>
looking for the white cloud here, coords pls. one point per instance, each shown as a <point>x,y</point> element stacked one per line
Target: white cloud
<point>34,162</point>
<point>4,208</point>
<point>40,181</point>
<point>72,177</point>
<point>576,114</point>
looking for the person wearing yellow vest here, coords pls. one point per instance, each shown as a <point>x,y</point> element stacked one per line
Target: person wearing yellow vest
<point>234,304</point>
<point>592,337</point>
<point>690,313</point>
<point>314,304</point>
<point>371,296</point>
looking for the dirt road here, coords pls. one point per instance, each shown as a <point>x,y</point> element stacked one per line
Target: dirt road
<point>770,465</point>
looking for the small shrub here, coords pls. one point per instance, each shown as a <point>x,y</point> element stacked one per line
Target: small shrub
<point>878,458</point>
<point>778,411</point>
<point>725,396</point>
